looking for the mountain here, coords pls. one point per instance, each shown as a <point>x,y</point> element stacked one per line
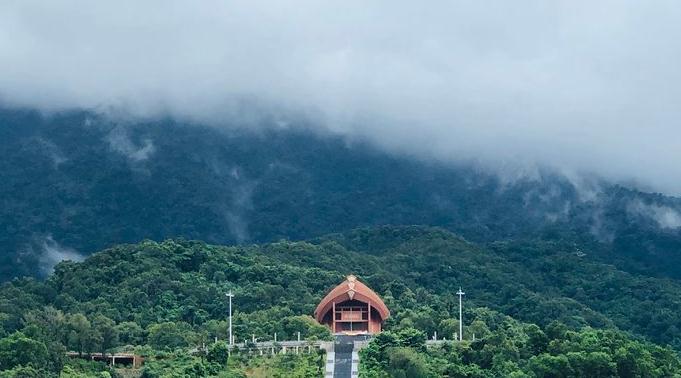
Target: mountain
<point>531,304</point>
<point>75,182</point>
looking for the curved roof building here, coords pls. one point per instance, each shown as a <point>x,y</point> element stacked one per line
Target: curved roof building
<point>352,308</point>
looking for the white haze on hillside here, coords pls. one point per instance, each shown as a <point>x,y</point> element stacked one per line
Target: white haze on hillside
<point>585,87</point>
<point>52,253</point>
<point>119,141</point>
<point>665,216</point>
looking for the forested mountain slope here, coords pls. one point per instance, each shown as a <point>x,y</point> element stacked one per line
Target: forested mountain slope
<point>74,183</point>
<point>170,295</point>
<point>416,269</point>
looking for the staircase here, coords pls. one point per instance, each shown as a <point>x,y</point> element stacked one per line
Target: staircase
<point>343,360</point>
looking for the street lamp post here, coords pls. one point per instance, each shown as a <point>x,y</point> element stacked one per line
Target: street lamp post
<point>231,338</point>
<point>460,293</point>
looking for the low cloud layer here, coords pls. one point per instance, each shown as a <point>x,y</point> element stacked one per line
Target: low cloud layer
<point>581,86</point>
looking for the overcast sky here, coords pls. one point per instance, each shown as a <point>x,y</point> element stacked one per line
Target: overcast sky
<point>583,86</point>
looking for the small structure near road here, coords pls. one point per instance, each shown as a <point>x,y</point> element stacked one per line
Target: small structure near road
<point>121,359</point>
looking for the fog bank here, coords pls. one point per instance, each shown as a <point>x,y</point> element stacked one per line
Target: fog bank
<point>578,86</point>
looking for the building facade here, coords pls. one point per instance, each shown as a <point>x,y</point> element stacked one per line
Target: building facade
<point>352,308</point>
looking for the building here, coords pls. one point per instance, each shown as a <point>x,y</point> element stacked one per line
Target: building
<point>352,308</point>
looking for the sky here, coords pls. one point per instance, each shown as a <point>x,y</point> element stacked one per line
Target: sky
<point>580,86</point>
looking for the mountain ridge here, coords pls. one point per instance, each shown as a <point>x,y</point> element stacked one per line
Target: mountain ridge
<point>76,182</point>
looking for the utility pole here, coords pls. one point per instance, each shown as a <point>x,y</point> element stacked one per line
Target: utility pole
<point>460,293</point>
<point>231,338</point>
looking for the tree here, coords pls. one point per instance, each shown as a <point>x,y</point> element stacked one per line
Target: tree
<point>82,338</point>
<point>556,330</point>
<point>307,326</point>
<point>19,350</point>
<point>24,372</point>
<point>3,319</point>
<point>50,322</point>
<point>378,348</point>
<point>593,364</point>
<point>537,340</point>
<point>548,366</point>
<point>477,328</point>
<point>130,333</point>
<point>448,328</point>
<point>219,353</point>
<point>406,363</point>
<point>412,338</point>
<point>168,335</point>
<point>107,331</point>
<point>216,329</point>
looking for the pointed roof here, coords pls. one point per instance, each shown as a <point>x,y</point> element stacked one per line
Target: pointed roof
<point>350,289</point>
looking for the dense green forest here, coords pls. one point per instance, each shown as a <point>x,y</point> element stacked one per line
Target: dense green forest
<point>540,309</point>
<point>79,183</point>
<point>504,347</point>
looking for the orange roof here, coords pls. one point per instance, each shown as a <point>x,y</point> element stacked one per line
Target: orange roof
<point>349,289</point>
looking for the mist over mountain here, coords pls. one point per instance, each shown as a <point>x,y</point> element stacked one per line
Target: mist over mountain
<point>579,87</point>
<point>74,183</point>
<point>162,161</point>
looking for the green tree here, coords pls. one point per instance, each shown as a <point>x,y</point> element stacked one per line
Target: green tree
<point>412,338</point>
<point>4,318</point>
<point>168,335</point>
<point>548,366</point>
<point>377,350</point>
<point>448,328</point>
<point>537,341</point>
<point>130,333</point>
<point>307,326</point>
<point>406,363</point>
<point>107,331</point>
<point>218,353</point>
<point>82,337</point>
<point>592,364</point>
<point>478,328</point>
<point>50,323</point>
<point>19,350</point>
<point>25,372</point>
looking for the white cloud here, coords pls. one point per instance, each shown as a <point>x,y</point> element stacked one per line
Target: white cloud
<point>581,86</point>
<point>120,141</point>
<point>665,216</point>
<point>52,254</point>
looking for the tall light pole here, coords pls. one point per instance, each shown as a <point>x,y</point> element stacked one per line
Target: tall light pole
<point>230,296</point>
<point>460,293</point>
